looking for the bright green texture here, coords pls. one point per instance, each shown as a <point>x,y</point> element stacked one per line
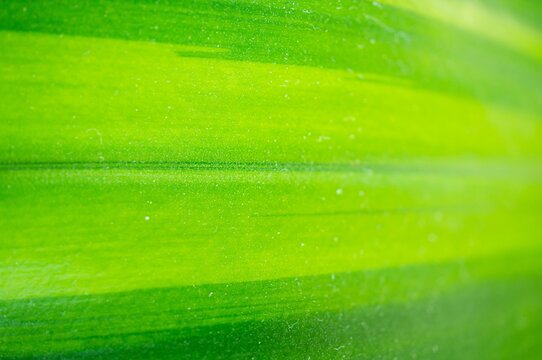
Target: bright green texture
<point>214,179</point>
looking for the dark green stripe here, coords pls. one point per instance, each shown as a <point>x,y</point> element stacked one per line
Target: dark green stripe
<point>350,311</point>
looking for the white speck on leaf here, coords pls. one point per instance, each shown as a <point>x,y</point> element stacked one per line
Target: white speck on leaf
<point>97,133</point>
<point>323,138</point>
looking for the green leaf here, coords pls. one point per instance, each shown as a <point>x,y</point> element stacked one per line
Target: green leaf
<point>270,179</point>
